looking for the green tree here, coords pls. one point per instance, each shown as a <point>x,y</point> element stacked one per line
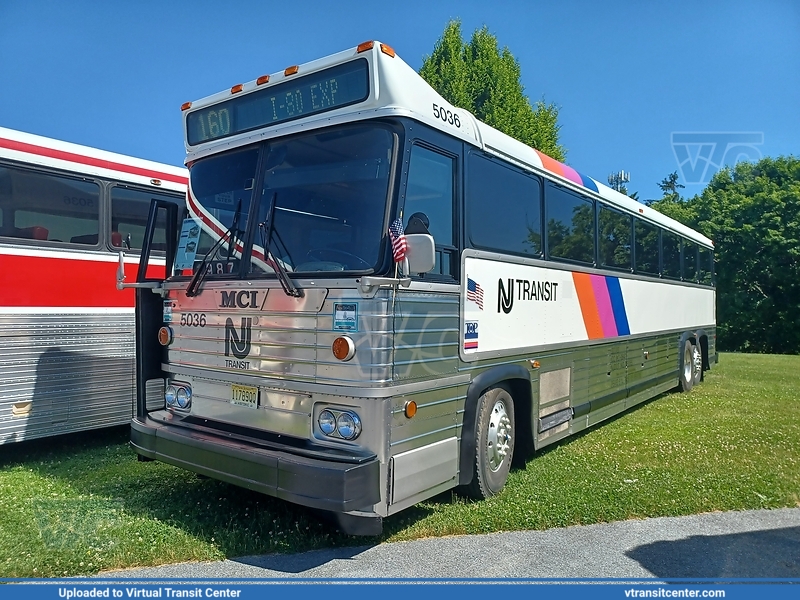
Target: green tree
<point>752,212</point>
<point>485,80</point>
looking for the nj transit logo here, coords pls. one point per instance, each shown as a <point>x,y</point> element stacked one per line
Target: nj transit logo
<point>238,342</point>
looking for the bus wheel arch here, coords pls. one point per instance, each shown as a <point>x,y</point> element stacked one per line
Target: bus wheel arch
<point>515,382</point>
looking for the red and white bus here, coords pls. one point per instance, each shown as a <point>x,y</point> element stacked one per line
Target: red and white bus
<point>66,332</point>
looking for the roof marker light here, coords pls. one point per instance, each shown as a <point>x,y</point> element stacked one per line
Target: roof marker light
<point>237,88</point>
<point>387,50</point>
<point>364,46</point>
<point>291,70</point>
<point>186,106</point>
<point>262,80</point>
<point>155,181</point>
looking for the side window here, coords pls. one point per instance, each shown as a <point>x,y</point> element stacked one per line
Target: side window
<point>615,238</point>
<point>504,208</point>
<point>706,265</point>
<point>129,210</point>
<point>671,255</point>
<point>431,190</point>
<point>689,260</point>
<point>646,247</point>
<point>45,206</point>
<point>570,225</point>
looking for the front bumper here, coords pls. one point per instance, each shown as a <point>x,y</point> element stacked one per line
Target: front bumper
<point>269,468</point>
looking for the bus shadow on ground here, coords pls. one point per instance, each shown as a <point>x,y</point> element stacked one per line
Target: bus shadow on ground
<point>772,554</point>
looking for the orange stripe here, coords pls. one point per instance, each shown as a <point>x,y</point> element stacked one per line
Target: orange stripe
<point>551,164</point>
<point>591,316</point>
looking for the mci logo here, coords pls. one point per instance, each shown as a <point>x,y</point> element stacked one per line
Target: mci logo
<point>701,154</point>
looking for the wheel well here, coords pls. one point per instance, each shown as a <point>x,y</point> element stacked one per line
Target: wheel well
<point>517,380</point>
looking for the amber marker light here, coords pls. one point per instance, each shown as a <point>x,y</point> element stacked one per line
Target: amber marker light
<point>343,348</point>
<point>165,336</point>
<point>186,106</point>
<point>387,50</point>
<point>262,80</point>
<point>155,181</point>
<point>410,409</point>
<point>364,46</point>
<point>535,364</point>
<point>237,88</point>
<point>291,70</point>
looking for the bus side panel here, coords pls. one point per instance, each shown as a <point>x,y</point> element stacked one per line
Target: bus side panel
<point>426,335</point>
<point>61,373</point>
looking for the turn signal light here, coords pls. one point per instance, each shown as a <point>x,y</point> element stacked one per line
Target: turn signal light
<point>343,348</point>
<point>165,336</point>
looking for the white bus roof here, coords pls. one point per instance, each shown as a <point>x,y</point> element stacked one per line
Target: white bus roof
<point>47,152</point>
<point>397,90</point>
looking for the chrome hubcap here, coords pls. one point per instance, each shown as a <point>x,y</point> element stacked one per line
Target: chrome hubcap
<point>688,364</point>
<point>697,361</point>
<point>499,436</point>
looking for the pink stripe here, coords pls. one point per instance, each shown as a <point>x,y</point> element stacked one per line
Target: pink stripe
<point>604,306</point>
<point>572,175</point>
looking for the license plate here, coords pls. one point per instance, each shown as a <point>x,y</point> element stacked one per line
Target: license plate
<point>244,395</point>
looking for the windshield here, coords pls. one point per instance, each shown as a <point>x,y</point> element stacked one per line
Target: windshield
<point>320,206</point>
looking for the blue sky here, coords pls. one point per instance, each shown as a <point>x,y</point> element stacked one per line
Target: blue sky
<point>627,75</point>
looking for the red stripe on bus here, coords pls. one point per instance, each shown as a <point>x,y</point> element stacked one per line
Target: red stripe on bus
<point>88,160</point>
<point>49,281</point>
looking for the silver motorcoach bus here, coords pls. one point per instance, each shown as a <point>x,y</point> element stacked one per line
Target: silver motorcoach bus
<point>372,297</point>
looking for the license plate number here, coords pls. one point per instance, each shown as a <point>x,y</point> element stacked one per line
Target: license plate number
<point>244,395</point>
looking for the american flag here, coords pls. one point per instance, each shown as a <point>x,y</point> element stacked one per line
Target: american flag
<point>399,245</point>
<point>475,292</point>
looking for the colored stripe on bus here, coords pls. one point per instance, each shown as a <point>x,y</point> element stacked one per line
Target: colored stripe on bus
<point>591,317</point>
<point>88,160</point>
<point>602,305</point>
<point>618,305</point>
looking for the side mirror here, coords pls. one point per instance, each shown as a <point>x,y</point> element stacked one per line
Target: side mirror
<point>420,254</point>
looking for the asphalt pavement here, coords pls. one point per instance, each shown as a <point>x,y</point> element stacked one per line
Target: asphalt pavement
<point>745,544</point>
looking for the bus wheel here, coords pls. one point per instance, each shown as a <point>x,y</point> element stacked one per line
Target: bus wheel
<point>687,366</point>
<point>697,364</point>
<point>494,443</point>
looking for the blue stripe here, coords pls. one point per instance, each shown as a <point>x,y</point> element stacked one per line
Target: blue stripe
<point>588,182</point>
<point>618,305</point>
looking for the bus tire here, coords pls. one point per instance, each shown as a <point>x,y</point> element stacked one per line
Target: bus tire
<point>697,364</point>
<point>686,367</point>
<point>494,448</point>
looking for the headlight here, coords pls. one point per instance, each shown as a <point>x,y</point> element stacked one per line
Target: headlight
<point>184,397</point>
<point>348,425</point>
<point>327,422</point>
<point>178,395</point>
<point>170,395</point>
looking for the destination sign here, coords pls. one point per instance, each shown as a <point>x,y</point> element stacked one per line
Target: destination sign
<point>308,95</point>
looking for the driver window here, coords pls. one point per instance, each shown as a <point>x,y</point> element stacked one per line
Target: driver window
<point>430,190</point>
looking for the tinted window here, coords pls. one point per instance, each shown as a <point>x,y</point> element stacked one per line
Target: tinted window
<point>706,266</point>
<point>615,238</point>
<point>689,260</point>
<point>646,247</point>
<point>42,206</point>
<point>129,210</point>
<point>671,254</point>
<point>570,225</point>
<point>504,208</point>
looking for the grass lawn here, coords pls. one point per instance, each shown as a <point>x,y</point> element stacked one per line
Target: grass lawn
<point>82,503</point>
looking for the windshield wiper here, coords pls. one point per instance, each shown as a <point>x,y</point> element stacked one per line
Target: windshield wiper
<point>232,235</point>
<point>280,271</point>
